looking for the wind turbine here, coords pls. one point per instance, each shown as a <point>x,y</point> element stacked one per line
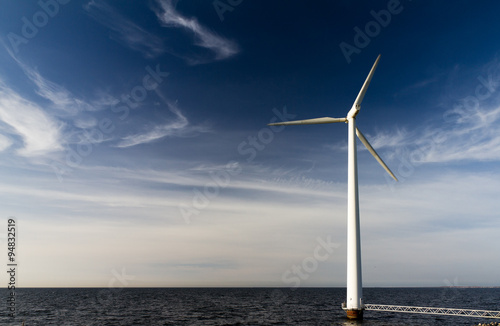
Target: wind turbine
<point>354,302</point>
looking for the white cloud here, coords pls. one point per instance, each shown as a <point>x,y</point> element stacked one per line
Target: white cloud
<point>40,133</point>
<point>37,123</point>
<point>474,136</point>
<point>85,122</point>
<point>222,47</point>
<point>4,143</point>
<point>62,99</point>
<point>127,32</point>
<point>179,128</point>
<point>396,138</point>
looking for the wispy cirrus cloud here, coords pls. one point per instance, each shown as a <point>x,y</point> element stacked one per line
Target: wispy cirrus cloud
<point>180,127</point>
<point>396,138</point>
<point>39,123</point>
<point>59,96</point>
<point>472,137</point>
<point>40,133</point>
<point>5,143</point>
<point>125,31</point>
<point>205,38</point>
<point>61,99</point>
<point>476,138</point>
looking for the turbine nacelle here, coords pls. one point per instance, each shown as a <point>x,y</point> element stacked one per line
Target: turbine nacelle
<point>353,112</point>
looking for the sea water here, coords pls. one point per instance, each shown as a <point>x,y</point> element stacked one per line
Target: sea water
<point>237,306</point>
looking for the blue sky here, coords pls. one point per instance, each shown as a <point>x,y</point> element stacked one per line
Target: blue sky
<point>135,149</point>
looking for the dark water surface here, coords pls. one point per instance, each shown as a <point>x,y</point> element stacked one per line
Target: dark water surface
<point>237,306</point>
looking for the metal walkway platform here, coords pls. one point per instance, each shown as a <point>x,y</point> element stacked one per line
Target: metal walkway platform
<point>434,311</point>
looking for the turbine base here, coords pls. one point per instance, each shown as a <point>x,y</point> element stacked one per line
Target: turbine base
<point>354,314</point>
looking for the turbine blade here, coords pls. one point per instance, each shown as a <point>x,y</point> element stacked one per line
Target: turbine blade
<point>308,121</point>
<point>372,151</point>
<point>357,103</point>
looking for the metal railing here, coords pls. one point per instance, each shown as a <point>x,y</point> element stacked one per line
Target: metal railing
<point>435,311</point>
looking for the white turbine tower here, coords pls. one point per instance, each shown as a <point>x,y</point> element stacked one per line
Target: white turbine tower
<point>354,303</point>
